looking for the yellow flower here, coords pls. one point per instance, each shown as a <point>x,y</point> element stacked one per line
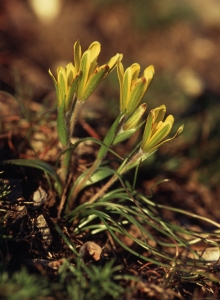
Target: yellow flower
<point>92,74</point>
<point>156,130</point>
<point>66,83</point>
<point>132,88</point>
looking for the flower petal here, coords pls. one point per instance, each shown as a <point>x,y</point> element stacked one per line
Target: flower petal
<point>178,133</point>
<point>160,134</point>
<point>77,53</point>
<point>149,74</point>
<point>71,90</point>
<point>129,76</point>
<point>95,49</point>
<point>160,113</point>
<point>135,71</point>
<point>148,130</point>
<point>120,72</point>
<point>70,73</point>
<point>62,85</point>
<point>84,68</point>
<point>113,61</point>
<point>136,95</point>
<point>55,83</point>
<point>94,80</point>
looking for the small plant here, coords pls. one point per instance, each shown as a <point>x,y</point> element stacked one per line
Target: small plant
<point>84,282</point>
<point>22,285</point>
<point>75,84</point>
<point>94,282</point>
<point>110,212</point>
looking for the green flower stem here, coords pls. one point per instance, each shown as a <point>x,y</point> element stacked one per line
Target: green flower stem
<point>125,166</point>
<point>88,174</point>
<point>71,121</point>
<point>65,167</point>
<point>74,116</point>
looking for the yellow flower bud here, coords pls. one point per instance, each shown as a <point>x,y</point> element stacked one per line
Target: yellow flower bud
<point>156,130</point>
<point>92,74</point>
<point>132,88</point>
<point>65,85</point>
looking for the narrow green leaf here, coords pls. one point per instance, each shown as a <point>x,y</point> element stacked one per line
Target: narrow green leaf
<point>99,175</point>
<point>122,136</point>
<point>110,136</point>
<point>126,134</point>
<point>69,244</point>
<point>37,164</point>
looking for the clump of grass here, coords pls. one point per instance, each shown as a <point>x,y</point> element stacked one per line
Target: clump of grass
<point>73,282</point>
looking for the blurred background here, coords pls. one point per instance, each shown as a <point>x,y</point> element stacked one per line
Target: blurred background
<point>180,38</point>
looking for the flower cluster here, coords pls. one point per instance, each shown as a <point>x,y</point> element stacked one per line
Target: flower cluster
<point>78,80</point>
<point>156,130</point>
<point>83,77</point>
